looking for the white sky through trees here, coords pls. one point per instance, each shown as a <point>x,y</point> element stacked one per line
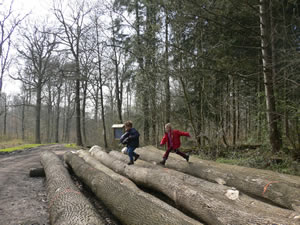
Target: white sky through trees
<point>37,10</point>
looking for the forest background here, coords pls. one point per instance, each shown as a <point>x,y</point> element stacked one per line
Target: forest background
<point>225,71</point>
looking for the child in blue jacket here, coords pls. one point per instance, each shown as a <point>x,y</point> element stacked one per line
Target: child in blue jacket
<point>131,139</point>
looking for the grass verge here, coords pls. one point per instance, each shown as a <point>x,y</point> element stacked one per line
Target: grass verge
<point>20,147</point>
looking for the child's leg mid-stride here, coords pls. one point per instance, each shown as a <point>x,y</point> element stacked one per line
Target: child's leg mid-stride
<point>166,155</point>
<point>186,156</point>
<point>132,154</point>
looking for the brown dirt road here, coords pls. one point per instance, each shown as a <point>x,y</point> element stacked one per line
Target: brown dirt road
<point>23,199</point>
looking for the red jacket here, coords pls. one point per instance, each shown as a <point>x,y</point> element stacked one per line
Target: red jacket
<point>175,134</point>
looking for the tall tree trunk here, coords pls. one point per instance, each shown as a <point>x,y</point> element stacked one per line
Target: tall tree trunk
<point>57,115</point>
<point>103,118</point>
<point>150,76</point>
<point>143,92</point>
<point>238,125</point>
<point>85,83</point>
<point>199,125</point>
<point>38,113</point>
<point>49,113</point>
<point>273,48</point>
<point>145,99</point>
<point>266,45</point>
<point>65,112</point>
<point>118,92</point>
<point>70,113</point>
<point>23,119</point>
<point>5,115</point>
<point>227,111</point>
<point>77,102</point>
<point>128,100</point>
<point>285,77</point>
<point>259,111</point>
<point>96,105</point>
<point>167,76</point>
<point>297,131</point>
<point>233,110</point>
<point>118,81</point>
<point>99,54</point>
<point>187,101</point>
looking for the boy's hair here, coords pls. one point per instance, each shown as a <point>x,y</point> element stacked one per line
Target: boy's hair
<point>128,123</point>
<point>168,125</point>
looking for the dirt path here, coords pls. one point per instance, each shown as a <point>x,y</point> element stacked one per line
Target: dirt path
<point>23,199</point>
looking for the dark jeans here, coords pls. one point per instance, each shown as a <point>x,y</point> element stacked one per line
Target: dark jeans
<point>131,153</point>
<point>166,155</point>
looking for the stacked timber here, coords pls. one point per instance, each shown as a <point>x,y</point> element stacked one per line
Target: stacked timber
<point>215,189</point>
<point>210,202</point>
<point>67,206</point>
<point>124,200</point>
<point>280,189</point>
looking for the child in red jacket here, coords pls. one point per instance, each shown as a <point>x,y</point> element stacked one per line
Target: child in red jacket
<point>172,138</point>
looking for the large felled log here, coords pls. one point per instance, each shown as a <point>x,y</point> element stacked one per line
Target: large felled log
<point>173,213</point>
<point>206,205</point>
<point>283,190</point>
<point>130,205</point>
<point>220,191</point>
<point>67,206</point>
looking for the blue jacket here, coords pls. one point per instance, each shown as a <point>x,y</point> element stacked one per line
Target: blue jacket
<point>131,138</point>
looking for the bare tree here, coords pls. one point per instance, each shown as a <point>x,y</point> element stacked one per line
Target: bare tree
<point>71,33</point>
<point>116,59</point>
<point>8,24</point>
<point>5,100</point>
<point>37,51</point>
<point>88,68</point>
<point>100,81</point>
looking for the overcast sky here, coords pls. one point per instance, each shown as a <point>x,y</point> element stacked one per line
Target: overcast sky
<point>38,9</point>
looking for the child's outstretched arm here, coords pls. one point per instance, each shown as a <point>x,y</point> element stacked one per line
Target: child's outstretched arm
<point>187,134</point>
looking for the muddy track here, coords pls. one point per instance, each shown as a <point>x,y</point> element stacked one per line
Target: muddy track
<point>23,199</point>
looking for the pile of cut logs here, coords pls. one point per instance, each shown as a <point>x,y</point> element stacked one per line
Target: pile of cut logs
<point>201,192</point>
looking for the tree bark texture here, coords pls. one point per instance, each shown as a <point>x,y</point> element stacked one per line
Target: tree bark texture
<point>213,206</point>
<point>174,213</point>
<point>38,113</point>
<point>130,205</point>
<point>66,204</point>
<point>57,114</point>
<point>83,116</point>
<point>167,72</point>
<point>281,189</point>
<point>77,102</point>
<point>266,46</point>
<point>257,207</point>
<point>5,115</point>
